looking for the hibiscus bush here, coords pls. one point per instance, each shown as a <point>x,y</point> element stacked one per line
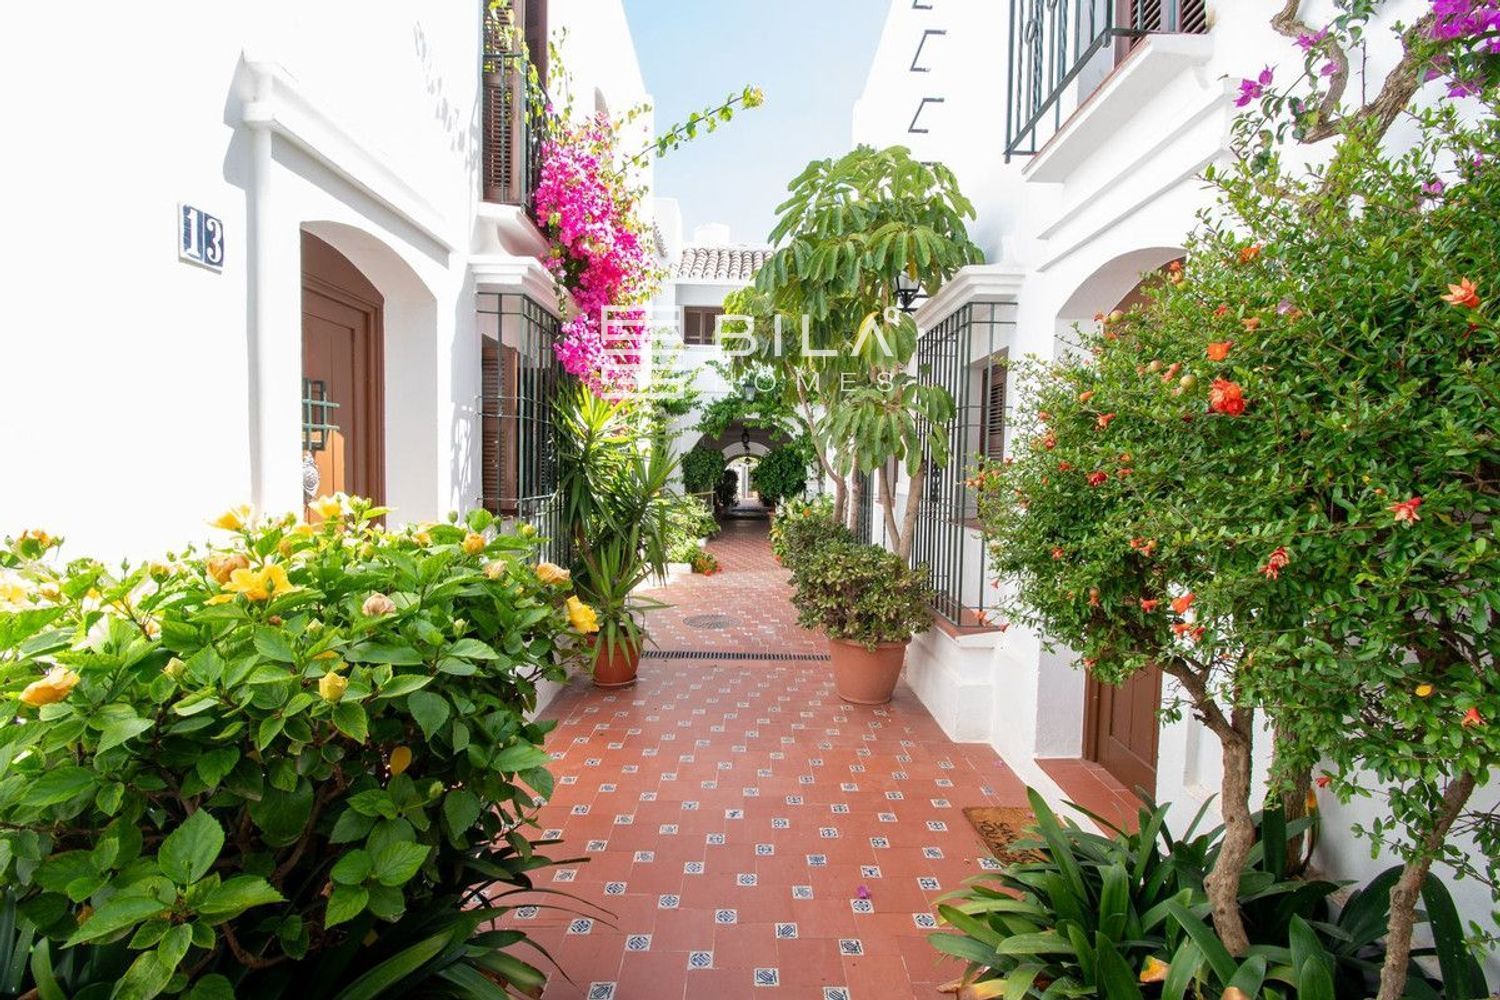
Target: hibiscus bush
<point>306,746</point>
<point>1278,480</point>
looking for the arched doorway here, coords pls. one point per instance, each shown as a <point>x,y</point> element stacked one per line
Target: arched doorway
<point>369,379</point>
<point>1121,730</point>
<point>343,376</point>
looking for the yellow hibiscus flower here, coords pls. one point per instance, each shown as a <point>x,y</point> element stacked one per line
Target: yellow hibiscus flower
<point>329,508</point>
<point>582,617</point>
<point>233,519</point>
<point>332,686</point>
<point>259,584</point>
<point>550,573</point>
<point>473,544</point>
<point>52,688</point>
<point>13,590</point>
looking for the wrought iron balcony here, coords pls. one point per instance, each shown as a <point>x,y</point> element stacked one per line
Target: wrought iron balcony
<point>514,109</point>
<point>1058,46</point>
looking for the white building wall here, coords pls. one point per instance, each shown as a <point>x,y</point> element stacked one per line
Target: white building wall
<point>157,392</point>
<point>1108,199</point>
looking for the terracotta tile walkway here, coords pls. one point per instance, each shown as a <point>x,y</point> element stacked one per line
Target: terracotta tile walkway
<point>732,812</point>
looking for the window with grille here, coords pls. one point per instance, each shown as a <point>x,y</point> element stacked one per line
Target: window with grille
<point>966,354</point>
<point>519,379</point>
<point>698,324</point>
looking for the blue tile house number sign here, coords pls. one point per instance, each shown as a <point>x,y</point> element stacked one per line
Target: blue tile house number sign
<point>200,238</point>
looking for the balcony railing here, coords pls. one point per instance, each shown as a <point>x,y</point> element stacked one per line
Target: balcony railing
<point>513,108</point>
<point>1055,44</point>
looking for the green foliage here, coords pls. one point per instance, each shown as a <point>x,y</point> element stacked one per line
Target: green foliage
<point>613,486</point>
<point>706,121</point>
<point>1339,533</point>
<point>701,468</point>
<point>1123,915</point>
<point>270,752</point>
<point>804,526</point>
<point>860,593</point>
<point>689,520</point>
<point>781,473</point>
<point>727,489</point>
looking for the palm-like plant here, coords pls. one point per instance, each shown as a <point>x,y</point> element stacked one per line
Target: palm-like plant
<point>612,484</point>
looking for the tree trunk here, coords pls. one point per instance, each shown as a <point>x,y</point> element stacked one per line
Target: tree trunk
<point>1294,805</point>
<point>888,502</point>
<point>1408,889</point>
<point>1223,883</point>
<point>856,499</point>
<point>913,506</point>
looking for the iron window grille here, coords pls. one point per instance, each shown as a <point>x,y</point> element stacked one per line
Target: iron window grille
<point>1056,43</point>
<point>964,354</point>
<point>519,381</point>
<point>316,409</point>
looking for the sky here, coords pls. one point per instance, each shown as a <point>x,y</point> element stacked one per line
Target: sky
<point>809,56</point>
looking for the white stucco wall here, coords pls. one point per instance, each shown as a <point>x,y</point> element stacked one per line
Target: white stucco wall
<point>164,392</point>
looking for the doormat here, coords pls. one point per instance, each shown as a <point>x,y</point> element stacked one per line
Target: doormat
<point>1000,827</point>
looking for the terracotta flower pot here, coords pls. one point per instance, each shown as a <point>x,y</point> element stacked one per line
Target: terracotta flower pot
<point>617,668</point>
<point>866,677</point>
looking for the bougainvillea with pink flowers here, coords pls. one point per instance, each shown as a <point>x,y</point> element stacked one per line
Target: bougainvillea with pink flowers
<point>601,251</point>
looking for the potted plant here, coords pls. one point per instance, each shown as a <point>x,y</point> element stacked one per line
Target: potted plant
<point>612,486</point>
<point>868,603</point>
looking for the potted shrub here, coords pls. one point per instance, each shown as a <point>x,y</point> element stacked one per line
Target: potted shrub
<point>803,526</point>
<point>869,603</point>
<point>612,485</point>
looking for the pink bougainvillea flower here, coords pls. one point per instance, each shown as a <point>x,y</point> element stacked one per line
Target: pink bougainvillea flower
<point>1307,42</point>
<point>1276,562</point>
<point>1406,510</point>
<point>1181,604</point>
<point>1465,294</point>
<point>1098,478</point>
<point>1219,350</point>
<point>862,892</point>
<point>1328,69</point>
<point>1251,90</point>
<point>1324,780</point>
<point>1472,718</point>
<point>1226,397</point>
<point>1433,189</point>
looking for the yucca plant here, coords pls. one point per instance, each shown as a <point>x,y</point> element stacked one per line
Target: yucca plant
<point>613,486</point>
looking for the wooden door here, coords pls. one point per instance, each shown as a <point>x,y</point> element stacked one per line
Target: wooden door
<point>1121,728</point>
<point>341,362</point>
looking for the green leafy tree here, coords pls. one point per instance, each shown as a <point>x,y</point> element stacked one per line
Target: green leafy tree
<point>781,473</point>
<point>850,228</point>
<point>1278,479</point>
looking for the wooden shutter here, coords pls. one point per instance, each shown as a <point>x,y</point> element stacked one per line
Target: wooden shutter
<point>498,428</point>
<point>992,409</point>
<point>534,19</point>
<point>698,324</point>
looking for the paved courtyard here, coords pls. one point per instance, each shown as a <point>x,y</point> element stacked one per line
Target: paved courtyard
<point>751,833</point>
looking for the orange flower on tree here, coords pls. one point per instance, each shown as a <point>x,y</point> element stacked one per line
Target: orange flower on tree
<point>1425,690</point>
<point>1219,350</point>
<point>1249,253</point>
<point>1276,562</point>
<point>1084,397</point>
<point>1406,510</point>
<point>1057,552</point>
<point>1148,604</point>
<point>1465,294</point>
<point>1471,719</point>
<point>1226,397</point>
<point>1181,604</point>
<point>1250,323</point>
<point>1104,420</point>
<point>1222,311</point>
<point>1098,478</point>
<point>1049,442</point>
<point>1181,628</point>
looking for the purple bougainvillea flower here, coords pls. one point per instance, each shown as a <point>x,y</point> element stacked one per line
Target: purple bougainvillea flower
<point>862,892</point>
